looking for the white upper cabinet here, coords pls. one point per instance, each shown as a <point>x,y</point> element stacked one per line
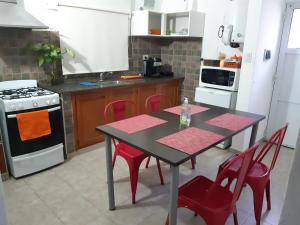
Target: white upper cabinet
<point>176,24</point>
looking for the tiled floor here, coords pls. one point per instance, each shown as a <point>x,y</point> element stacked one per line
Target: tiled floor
<point>75,193</point>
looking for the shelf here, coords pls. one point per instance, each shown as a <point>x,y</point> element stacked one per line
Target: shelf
<point>189,23</point>
<point>165,36</point>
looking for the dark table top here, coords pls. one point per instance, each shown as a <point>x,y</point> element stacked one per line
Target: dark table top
<point>72,84</point>
<point>146,140</point>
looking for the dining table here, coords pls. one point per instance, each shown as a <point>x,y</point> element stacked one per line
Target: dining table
<point>175,144</point>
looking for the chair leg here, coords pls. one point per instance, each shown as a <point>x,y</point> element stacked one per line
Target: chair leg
<point>268,194</point>
<point>148,161</point>
<point>167,220</point>
<point>230,179</point>
<point>114,159</point>
<point>235,218</point>
<point>258,197</point>
<point>193,161</point>
<point>159,171</point>
<point>134,174</point>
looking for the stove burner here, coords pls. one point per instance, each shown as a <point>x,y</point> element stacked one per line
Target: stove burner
<point>8,92</point>
<point>23,93</point>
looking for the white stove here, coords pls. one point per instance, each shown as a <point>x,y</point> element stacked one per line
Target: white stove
<point>38,153</point>
<point>24,94</point>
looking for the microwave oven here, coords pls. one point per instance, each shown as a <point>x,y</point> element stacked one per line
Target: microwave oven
<point>219,78</point>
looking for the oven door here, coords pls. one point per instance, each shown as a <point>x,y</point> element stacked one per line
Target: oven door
<point>218,78</point>
<point>19,147</point>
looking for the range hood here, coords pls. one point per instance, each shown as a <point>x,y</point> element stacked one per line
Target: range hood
<point>13,15</point>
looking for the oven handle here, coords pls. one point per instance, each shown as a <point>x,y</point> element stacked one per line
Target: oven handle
<point>49,110</point>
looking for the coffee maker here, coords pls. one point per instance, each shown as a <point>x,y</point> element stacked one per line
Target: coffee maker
<point>152,66</point>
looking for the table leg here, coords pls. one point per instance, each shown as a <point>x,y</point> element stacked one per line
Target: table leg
<point>110,176</point>
<point>253,135</point>
<point>174,195</point>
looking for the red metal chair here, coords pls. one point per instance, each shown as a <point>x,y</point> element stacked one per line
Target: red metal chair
<point>118,110</point>
<point>156,103</point>
<point>258,176</point>
<point>213,202</point>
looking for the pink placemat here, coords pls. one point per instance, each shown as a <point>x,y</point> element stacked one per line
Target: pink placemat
<point>137,123</point>
<point>190,140</point>
<point>194,109</point>
<point>230,121</point>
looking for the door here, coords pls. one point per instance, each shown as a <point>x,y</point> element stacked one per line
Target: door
<point>144,92</point>
<point>19,147</point>
<point>285,106</point>
<point>89,109</point>
<point>170,89</point>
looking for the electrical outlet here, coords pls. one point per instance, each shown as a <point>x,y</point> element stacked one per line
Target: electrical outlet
<point>267,54</point>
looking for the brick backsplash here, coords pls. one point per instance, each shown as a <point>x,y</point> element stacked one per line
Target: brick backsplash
<point>17,61</point>
<point>183,54</point>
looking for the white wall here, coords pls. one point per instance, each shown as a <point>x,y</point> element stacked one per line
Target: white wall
<point>269,38</point>
<point>214,18</point>
<point>241,141</point>
<point>264,27</point>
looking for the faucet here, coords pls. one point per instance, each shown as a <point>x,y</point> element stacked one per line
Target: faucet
<point>103,74</point>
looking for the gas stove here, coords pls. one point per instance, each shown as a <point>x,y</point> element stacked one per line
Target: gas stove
<point>23,95</point>
<point>39,152</point>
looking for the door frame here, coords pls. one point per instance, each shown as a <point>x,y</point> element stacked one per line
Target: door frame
<point>288,15</point>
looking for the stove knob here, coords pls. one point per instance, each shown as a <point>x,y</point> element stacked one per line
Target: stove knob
<point>35,104</point>
<point>48,102</point>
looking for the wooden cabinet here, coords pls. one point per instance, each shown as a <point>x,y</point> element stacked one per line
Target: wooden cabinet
<point>3,168</point>
<point>144,93</point>
<point>176,24</point>
<point>88,107</point>
<point>122,93</point>
<point>88,111</point>
<point>171,90</point>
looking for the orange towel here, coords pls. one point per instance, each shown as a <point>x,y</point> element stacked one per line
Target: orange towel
<point>33,124</point>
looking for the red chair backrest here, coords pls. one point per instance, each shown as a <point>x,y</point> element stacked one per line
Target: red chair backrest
<point>246,158</point>
<point>119,110</point>
<point>276,138</point>
<point>156,103</point>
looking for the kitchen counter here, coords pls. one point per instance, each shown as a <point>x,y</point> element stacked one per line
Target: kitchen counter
<point>79,101</point>
<point>72,85</point>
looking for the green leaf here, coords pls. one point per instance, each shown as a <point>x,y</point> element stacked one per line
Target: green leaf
<point>70,53</point>
<point>48,60</point>
<point>46,47</point>
<point>48,54</point>
<point>36,47</point>
<point>54,53</point>
<point>41,61</point>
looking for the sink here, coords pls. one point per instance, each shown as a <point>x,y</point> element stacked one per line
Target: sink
<point>109,82</point>
<point>106,82</point>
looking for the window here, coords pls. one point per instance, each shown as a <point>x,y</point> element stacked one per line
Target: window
<point>294,38</point>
